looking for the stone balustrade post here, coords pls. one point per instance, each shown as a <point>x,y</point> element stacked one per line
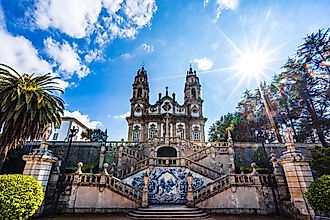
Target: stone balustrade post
<point>103,151</point>
<point>152,163</point>
<point>38,165</point>
<point>299,176</point>
<point>190,194</point>
<point>145,191</point>
<point>77,174</point>
<point>255,175</point>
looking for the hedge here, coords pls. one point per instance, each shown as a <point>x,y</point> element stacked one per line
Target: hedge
<point>20,196</point>
<point>318,194</point>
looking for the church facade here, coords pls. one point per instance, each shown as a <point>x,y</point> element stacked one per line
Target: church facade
<point>166,117</point>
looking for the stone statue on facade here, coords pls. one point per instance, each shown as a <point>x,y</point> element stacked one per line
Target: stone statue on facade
<point>47,131</point>
<point>288,135</point>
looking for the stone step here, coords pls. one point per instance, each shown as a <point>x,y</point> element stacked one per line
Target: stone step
<point>168,212</point>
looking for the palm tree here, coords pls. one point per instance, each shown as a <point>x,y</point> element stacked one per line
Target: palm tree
<point>27,106</point>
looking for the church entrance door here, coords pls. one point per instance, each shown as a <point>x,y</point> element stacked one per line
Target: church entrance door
<point>166,152</point>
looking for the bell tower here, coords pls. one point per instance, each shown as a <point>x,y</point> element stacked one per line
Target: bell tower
<point>194,105</point>
<point>139,104</point>
<point>140,87</point>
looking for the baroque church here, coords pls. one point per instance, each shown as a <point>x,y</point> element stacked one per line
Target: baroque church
<point>166,117</point>
<point>167,161</point>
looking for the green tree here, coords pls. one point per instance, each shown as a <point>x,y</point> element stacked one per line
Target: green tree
<point>96,135</point>
<point>305,84</point>
<point>20,196</point>
<point>318,194</point>
<point>27,106</point>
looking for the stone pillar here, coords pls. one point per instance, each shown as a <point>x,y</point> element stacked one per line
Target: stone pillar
<point>231,151</point>
<point>103,151</point>
<point>145,191</point>
<point>38,165</point>
<point>190,194</point>
<point>299,176</point>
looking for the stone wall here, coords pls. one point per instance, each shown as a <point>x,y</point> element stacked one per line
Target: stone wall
<point>239,200</point>
<point>95,199</point>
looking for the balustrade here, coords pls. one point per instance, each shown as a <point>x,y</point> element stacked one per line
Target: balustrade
<point>166,161</point>
<point>134,168</point>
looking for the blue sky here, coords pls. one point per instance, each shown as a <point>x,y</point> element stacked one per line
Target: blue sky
<point>96,47</point>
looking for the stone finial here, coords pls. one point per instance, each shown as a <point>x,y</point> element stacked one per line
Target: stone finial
<point>231,169</point>
<point>254,169</point>
<point>105,169</point>
<point>79,164</point>
<point>221,169</point>
<point>242,170</point>
<point>229,140</point>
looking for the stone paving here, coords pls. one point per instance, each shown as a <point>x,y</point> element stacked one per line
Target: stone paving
<point>122,217</point>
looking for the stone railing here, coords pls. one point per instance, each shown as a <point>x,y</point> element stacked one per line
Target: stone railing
<point>226,182</point>
<point>217,147</point>
<point>167,161</point>
<point>211,189</point>
<point>201,169</point>
<point>132,153</point>
<point>132,169</point>
<point>99,180</point>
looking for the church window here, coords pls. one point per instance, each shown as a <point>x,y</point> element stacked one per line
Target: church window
<point>139,92</point>
<point>136,133</point>
<point>152,131</point>
<point>196,134</point>
<point>193,92</point>
<point>180,131</point>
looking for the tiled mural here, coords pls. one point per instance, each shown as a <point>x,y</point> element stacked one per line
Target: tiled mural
<point>167,185</point>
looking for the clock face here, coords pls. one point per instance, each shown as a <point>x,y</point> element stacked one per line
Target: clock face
<point>195,111</point>
<point>138,110</point>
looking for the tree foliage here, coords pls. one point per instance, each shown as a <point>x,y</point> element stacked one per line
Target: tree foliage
<point>27,105</point>
<point>321,160</point>
<point>20,196</point>
<point>318,194</point>
<point>299,97</point>
<point>96,135</point>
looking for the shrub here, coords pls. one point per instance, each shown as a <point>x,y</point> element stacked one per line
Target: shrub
<point>318,194</point>
<point>20,196</point>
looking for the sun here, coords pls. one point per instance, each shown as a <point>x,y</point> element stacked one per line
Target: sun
<point>252,63</point>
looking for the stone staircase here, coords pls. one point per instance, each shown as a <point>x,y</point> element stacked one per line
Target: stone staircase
<point>168,212</point>
<point>220,147</point>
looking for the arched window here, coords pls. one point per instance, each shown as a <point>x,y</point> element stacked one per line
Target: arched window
<point>180,131</point>
<point>152,131</point>
<point>193,92</point>
<point>139,93</point>
<point>196,135</point>
<point>136,133</point>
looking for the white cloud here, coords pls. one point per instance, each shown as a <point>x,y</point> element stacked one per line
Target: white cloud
<point>93,55</point>
<point>204,63</point>
<point>147,47</point>
<point>215,46</point>
<point>76,18</point>
<point>19,53</point>
<point>225,5</point>
<point>122,116</point>
<point>205,2</point>
<point>83,119</point>
<point>140,11</point>
<point>66,57</point>
<point>2,18</point>
<point>126,56</point>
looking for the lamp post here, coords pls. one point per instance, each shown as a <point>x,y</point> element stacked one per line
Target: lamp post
<point>72,133</point>
<point>261,137</point>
